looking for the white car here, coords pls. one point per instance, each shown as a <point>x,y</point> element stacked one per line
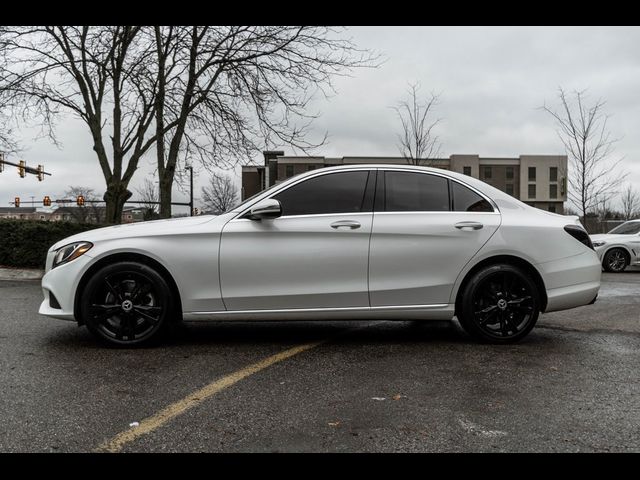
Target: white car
<point>620,247</point>
<point>351,242</point>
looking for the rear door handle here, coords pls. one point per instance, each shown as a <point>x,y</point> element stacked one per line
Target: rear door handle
<point>469,225</point>
<point>350,224</point>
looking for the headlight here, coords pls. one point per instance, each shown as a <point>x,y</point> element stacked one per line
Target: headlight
<point>70,252</point>
<point>598,243</point>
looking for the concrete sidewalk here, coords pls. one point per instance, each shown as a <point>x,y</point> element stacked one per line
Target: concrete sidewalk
<point>7,273</point>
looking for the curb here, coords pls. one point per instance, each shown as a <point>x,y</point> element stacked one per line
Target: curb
<point>20,274</point>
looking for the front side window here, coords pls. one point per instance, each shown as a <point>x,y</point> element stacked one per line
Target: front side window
<point>629,228</point>
<point>415,192</point>
<point>342,192</point>
<point>466,200</point>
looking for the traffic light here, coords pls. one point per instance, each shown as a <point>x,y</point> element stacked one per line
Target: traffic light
<point>47,201</point>
<point>16,202</point>
<point>40,173</point>
<point>195,211</point>
<point>21,168</point>
<point>80,200</point>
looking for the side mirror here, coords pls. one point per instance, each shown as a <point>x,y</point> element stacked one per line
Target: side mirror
<point>269,208</point>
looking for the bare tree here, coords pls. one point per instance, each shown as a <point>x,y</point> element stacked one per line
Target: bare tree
<point>417,142</point>
<point>148,193</point>
<point>93,73</point>
<point>582,128</point>
<point>221,195</point>
<point>630,202</point>
<point>89,213</point>
<point>213,93</point>
<point>231,91</point>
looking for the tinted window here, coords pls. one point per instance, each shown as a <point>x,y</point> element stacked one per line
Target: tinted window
<point>415,192</point>
<point>466,200</point>
<point>629,228</point>
<point>331,193</point>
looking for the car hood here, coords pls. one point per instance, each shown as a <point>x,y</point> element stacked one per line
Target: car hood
<point>612,238</point>
<point>138,229</point>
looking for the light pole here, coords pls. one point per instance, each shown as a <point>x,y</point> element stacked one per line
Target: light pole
<point>190,168</point>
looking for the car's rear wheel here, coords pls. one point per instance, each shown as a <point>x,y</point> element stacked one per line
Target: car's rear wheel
<point>499,304</point>
<point>127,304</point>
<point>615,260</point>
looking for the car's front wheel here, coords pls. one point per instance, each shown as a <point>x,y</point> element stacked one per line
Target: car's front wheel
<point>499,304</point>
<point>615,260</point>
<point>127,303</point>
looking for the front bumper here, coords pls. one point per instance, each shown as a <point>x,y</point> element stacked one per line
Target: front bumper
<point>62,283</point>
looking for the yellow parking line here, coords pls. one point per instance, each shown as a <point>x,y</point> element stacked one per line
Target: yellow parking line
<point>154,422</point>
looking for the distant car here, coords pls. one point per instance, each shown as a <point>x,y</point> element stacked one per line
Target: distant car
<point>620,247</point>
<point>343,243</point>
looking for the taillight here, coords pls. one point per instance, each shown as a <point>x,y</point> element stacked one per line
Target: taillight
<point>579,234</point>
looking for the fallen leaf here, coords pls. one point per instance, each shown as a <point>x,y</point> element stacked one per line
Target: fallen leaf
<point>398,397</point>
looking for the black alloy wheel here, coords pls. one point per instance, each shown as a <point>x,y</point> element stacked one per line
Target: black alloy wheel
<point>615,260</point>
<point>499,304</point>
<point>127,303</point>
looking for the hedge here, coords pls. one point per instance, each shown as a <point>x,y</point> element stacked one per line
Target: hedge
<point>24,243</point>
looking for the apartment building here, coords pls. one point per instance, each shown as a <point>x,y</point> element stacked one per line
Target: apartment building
<point>538,180</point>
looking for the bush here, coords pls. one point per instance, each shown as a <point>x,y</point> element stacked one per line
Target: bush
<point>24,243</point>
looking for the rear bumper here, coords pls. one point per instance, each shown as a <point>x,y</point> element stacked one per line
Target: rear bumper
<point>571,282</point>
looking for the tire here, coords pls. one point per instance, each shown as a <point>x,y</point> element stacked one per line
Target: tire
<point>499,304</point>
<point>127,304</point>
<point>615,260</point>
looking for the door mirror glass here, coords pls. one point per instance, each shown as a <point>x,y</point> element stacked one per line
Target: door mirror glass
<point>269,208</point>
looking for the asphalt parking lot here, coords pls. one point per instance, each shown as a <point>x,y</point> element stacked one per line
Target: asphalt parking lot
<point>571,385</point>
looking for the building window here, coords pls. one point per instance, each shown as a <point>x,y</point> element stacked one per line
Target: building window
<point>532,191</point>
<point>553,174</point>
<point>553,190</point>
<point>487,172</point>
<point>289,171</point>
<point>552,208</point>
<point>466,170</point>
<point>509,173</point>
<point>311,167</point>
<point>532,174</point>
<point>509,188</point>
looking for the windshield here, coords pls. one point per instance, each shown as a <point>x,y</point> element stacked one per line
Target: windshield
<point>628,228</point>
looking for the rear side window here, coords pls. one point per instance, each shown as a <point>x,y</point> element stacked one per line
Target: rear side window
<point>415,192</point>
<point>466,200</point>
<point>332,193</point>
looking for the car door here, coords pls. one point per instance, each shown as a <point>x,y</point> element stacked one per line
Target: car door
<point>313,256</point>
<point>426,228</point>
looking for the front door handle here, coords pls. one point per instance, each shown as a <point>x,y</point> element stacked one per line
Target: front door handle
<point>350,224</point>
<point>469,225</point>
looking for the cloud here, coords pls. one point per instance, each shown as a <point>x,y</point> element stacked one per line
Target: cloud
<point>492,82</point>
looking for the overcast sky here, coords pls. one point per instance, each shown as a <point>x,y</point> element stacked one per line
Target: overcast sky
<point>492,81</point>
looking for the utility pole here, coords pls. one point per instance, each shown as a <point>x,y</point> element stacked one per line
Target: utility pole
<point>190,168</point>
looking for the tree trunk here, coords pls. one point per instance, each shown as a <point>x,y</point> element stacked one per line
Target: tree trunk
<point>166,184</point>
<point>115,198</point>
